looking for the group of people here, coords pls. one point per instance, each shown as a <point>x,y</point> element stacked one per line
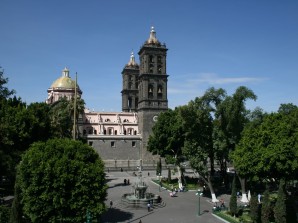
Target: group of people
<point>175,190</point>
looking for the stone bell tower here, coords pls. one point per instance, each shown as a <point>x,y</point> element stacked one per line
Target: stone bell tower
<point>129,91</point>
<point>152,87</point>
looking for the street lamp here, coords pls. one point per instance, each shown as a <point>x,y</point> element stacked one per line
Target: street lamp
<point>159,183</point>
<point>199,193</point>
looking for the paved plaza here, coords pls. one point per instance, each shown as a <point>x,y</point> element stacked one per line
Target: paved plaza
<point>183,208</point>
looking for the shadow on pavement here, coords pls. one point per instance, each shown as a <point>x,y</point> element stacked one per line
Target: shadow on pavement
<point>116,215</point>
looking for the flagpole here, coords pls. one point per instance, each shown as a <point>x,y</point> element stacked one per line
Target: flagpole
<point>75,111</point>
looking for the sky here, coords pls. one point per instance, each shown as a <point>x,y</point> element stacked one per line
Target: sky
<point>215,43</point>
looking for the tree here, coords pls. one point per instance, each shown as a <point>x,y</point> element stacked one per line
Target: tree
<point>61,116</point>
<point>266,210</point>
<point>280,212</point>
<point>232,117</point>
<point>60,180</point>
<point>269,149</point>
<point>254,209</point>
<point>233,198</point>
<point>159,168</point>
<point>4,91</point>
<point>198,147</point>
<point>167,139</point>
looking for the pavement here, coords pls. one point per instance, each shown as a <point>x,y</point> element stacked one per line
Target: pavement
<point>180,209</point>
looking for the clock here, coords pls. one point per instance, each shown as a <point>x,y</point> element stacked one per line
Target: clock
<point>155,118</point>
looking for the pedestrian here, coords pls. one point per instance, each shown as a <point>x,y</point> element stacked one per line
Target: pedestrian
<point>148,206</point>
<point>111,203</point>
<point>140,221</point>
<point>222,203</point>
<point>128,182</point>
<point>259,198</point>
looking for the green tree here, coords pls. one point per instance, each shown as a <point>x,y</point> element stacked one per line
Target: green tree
<point>280,212</point>
<point>233,198</point>
<point>198,147</point>
<point>61,117</point>
<point>4,91</point>
<point>169,175</point>
<point>269,148</point>
<point>267,209</point>
<point>60,180</point>
<point>167,139</point>
<point>232,117</point>
<point>254,209</point>
<point>16,209</point>
<point>159,167</point>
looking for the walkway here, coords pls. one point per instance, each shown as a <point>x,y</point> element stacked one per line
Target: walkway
<point>180,209</point>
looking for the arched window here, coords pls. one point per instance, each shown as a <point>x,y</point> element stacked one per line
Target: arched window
<point>129,102</point>
<point>84,132</point>
<point>159,91</point>
<point>150,90</point>
<point>95,132</point>
<point>135,132</point>
<point>151,59</point>
<point>159,59</point>
<point>151,66</point>
<point>159,69</point>
<point>110,131</point>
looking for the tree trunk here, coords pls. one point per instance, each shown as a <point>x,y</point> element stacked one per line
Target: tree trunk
<point>179,176</point>
<point>243,189</point>
<point>209,183</point>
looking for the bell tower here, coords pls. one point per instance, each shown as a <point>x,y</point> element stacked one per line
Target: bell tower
<point>129,91</point>
<point>152,86</point>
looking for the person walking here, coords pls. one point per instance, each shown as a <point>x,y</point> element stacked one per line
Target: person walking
<point>111,203</point>
<point>149,207</point>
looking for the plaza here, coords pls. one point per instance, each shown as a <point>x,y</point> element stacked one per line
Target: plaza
<point>182,208</point>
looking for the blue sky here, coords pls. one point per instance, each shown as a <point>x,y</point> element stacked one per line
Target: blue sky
<point>217,43</point>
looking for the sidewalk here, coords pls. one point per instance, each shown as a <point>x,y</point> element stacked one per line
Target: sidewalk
<point>180,209</point>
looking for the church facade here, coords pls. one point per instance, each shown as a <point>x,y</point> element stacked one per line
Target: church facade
<point>121,138</point>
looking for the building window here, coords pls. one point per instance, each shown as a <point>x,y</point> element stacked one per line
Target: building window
<point>90,143</point>
<point>84,132</point>
<point>90,131</point>
<point>110,131</point>
<point>151,59</point>
<point>135,132</point>
<point>95,132</point>
<point>151,68</point>
<point>159,91</point>
<point>159,59</point>
<point>113,144</point>
<point>115,132</point>
<point>159,69</point>
<point>133,144</point>
<point>150,90</point>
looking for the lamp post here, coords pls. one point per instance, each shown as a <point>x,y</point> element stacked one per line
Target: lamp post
<point>199,193</point>
<point>159,183</point>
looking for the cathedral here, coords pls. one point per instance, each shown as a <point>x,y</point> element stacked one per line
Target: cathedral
<point>121,138</point>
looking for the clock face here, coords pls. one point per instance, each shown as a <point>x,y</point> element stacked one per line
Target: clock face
<point>155,118</point>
